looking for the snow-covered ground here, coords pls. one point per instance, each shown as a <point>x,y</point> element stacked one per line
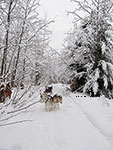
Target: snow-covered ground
<point>81,123</point>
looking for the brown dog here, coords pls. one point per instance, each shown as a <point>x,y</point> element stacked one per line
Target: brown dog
<point>5,91</point>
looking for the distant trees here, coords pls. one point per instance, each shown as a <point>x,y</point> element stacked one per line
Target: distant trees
<point>24,39</point>
<point>90,47</point>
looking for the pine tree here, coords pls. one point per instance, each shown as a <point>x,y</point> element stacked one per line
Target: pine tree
<point>92,47</point>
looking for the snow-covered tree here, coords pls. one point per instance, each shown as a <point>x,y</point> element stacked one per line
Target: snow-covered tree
<point>91,46</point>
<point>24,39</point>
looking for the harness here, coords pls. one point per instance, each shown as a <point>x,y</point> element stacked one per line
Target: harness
<point>49,98</point>
<point>57,100</point>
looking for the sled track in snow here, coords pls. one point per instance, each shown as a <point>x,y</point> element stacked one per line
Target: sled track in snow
<point>93,121</point>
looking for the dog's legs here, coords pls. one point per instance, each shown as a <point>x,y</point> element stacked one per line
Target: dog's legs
<point>46,106</point>
<point>54,106</point>
<point>50,106</point>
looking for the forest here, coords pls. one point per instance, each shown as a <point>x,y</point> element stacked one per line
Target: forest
<point>80,73</point>
<point>85,60</point>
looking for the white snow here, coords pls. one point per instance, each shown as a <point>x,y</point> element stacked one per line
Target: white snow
<point>81,123</point>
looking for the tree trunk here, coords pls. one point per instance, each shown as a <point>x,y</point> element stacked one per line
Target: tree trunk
<point>4,59</point>
<point>23,70</point>
<point>18,54</point>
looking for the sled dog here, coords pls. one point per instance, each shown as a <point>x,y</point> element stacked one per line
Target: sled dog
<point>44,97</point>
<point>53,102</point>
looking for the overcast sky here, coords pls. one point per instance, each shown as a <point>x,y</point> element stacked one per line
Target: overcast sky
<point>63,23</point>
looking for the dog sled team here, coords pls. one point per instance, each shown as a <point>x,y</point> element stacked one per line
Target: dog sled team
<point>51,102</point>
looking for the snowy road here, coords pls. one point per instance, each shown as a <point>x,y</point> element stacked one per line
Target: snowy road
<point>65,129</point>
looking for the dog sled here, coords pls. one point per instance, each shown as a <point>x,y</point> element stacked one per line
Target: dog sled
<point>51,102</point>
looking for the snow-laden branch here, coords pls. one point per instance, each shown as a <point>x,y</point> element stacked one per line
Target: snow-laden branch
<point>49,22</point>
<point>24,108</point>
<point>81,6</point>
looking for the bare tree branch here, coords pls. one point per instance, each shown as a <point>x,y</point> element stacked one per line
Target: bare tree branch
<point>75,14</point>
<point>23,107</point>
<point>81,6</point>
<point>40,29</point>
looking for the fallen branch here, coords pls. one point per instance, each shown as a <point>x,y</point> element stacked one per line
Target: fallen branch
<point>16,122</point>
<point>5,119</point>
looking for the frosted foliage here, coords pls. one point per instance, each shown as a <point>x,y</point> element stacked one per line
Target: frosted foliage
<point>110,66</point>
<point>91,45</point>
<point>90,84</point>
<point>93,82</point>
<point>105,82</point>
<point>87,86</point>
<point>104,65</point>
<point>103,47</point>
<point>95,88</point>
<point>97,72</point>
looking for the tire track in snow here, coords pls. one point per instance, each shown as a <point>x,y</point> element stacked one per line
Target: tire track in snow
<point>93,122</point>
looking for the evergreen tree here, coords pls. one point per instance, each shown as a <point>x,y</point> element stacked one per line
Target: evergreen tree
<point>92,47</point>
